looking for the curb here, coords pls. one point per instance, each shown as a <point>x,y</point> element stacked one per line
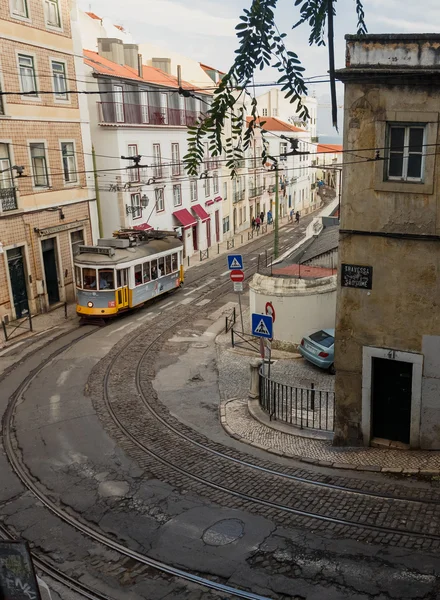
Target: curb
<point>318,462</point>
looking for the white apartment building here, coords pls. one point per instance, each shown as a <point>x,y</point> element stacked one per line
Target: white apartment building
<point>140,112</point>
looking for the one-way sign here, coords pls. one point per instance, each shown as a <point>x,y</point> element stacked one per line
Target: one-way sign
<point>235,261</point>
<point>262,326</point>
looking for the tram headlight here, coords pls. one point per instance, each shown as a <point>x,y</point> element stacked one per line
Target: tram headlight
<point>90,304</point>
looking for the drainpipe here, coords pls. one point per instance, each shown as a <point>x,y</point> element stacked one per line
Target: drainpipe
<point>98,199</point>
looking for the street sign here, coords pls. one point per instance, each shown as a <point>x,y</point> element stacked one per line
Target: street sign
<point>262,326</point>
<point>235,261</point>
<point>236,275</point>
<point>238,286</point>
<point>270,310</point>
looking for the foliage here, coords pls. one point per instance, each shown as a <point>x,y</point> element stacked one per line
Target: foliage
<point>260,45</point>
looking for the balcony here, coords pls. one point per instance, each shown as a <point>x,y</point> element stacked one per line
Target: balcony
<point>120,113</point>
<point>254,192</point>
<point>239,196</point>
<point>211,164</point>
<point>8,199</point>
<point>271,189</point>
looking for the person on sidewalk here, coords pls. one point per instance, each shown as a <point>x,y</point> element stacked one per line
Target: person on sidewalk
<point>253,223</point>
<point>257,223</point>
<point>269,217</point>
<point>297,216</point>
<point>262,217</point>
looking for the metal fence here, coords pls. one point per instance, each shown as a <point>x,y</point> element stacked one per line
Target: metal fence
<point>230,320</point>
<point>307,408</point>
<point>244,340</point>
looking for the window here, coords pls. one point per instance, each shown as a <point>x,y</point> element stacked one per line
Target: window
<point>215,183</point>
<point>69,162</point>
<point>193,189</point>
<point>118,93</point>
<point>225,224</point>
<point>145,113</point>
<point>264,112</point>
<point>164,108</point>
<point>207,187</point>
<point>161,267</point>
<point>39,164</point>
<point>244,213</point>
<point>146,272</point>
<point>283,150</point>
<point>177,195</point>
<point>182,110</point>
<point>133,174</point>
<point>154,269</point>
<point>76,240</point>
<point>20,8</point>
<point>28,79</point>
<point>136,209</point>
<point>225,191</point>
<point>106,279</point>
<point>2,104</point>
<point>8,198</point>
<point>175,262</point>
<point>275,112</point>
<point>405,153</point>
<point>168,264</point>
<point>138,274</point>
<point>53,17</point>
<point>59,80</point>
<point>157,169</point>
<point>160,205</point>
<point>175,159</point>
<point>78,279</point>
<point>89,279</point>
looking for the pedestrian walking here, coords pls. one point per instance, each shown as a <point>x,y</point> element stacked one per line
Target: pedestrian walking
<point>269,217</point>
<point>257,223</point>
<point>253,223</point>
<point>297,216</point>
<point>262,217</point>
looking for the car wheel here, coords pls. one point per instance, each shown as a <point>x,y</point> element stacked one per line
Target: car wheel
<point>332,369</point>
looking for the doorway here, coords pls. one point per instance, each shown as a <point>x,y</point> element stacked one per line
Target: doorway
<point>50,270</point>
<point>217,226</point>
<point>194,235</point>
<point>17,277</point>
<point>391,388</point>
<point>122,292</point>
<point>208,233</point>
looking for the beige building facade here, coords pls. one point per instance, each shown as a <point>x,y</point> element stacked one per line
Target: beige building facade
<point>47,205</point>
<point>388,325</point>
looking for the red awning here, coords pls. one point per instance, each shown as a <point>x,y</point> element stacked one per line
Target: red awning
<point>201,212</point>
<point>143,226</point>
<point>218,199</point>
<point>209,202</point>
<point>185,218</point>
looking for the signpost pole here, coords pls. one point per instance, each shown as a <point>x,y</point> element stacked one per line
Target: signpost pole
<point>276,242</point>
<point>241,312</point>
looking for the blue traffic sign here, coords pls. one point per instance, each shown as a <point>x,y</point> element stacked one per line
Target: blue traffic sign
<point>235,261</point>
<point>262,325</point>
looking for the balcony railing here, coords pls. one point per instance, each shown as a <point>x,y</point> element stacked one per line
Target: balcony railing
<point>8,199</point>
<point>271,189</point>
<point>141,114</point>
<point>211,164</point>
<point>238,196</point>
<point>253,192</point>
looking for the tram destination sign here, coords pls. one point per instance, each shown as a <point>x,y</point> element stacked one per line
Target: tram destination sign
<point>357,276</point>
<point>109,251</point>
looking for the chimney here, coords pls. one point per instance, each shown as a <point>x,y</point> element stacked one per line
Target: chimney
<point>111,49</point>
<point>162,63</point>
<point>131,55</point>
<point>140,67</point>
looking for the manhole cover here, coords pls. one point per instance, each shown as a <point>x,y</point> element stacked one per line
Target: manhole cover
<point>200,345</point>
<point>223,532</point>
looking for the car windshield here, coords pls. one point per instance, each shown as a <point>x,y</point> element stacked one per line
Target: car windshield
<point>322,338</point>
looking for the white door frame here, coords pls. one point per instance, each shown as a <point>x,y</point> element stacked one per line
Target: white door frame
<point>368,353</point>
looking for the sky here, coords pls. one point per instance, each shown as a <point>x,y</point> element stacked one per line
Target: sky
<point>205,31</point>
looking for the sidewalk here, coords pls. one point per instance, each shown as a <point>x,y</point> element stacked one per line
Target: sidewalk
<point>46,326</point>
<point>245,421</point>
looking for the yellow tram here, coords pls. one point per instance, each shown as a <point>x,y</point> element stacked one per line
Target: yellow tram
<point>126,271</point>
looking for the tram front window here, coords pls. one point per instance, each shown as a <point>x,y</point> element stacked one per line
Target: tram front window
<point>78,276</point>
<point>89,279</point>
<point>106,279</point>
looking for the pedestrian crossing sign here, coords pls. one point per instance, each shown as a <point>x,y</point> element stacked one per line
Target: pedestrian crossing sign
<point>262,326</point>
<point>235,261</point>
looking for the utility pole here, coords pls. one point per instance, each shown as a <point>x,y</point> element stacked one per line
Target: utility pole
<point>98,199</point>
<point>276,241</point>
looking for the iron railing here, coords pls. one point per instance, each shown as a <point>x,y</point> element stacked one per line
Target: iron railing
<point>143,114</point>
<point>244,340</point>
<point>230,243</point>
<point>230,320</point>
<point>306,408</point>
<point>8,199</point>
<point>204,254</point>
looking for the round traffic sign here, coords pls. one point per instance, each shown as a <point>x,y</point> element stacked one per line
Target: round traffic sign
<point>270,310</point>
<point>236,275</point>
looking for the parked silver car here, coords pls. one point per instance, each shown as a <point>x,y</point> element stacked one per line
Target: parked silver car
<point>319,349</point>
